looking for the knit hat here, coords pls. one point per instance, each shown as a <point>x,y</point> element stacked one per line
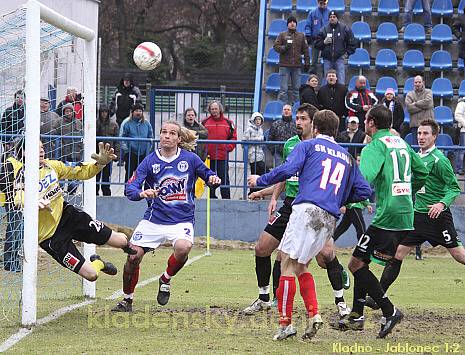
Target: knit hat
<point>137,106</point>
<point>390,91</point>
<point>291,19</point>
<point>333,13</point>
<point>66,106</point>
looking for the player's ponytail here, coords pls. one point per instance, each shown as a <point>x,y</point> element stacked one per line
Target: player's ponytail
<point>188,139</point>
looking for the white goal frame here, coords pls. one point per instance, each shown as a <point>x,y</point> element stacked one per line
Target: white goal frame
<point>35,12</point>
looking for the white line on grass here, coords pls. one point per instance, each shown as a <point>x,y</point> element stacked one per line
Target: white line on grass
<point>24,332</point>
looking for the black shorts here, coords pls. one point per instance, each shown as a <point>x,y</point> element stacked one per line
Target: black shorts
<point>278,222</point>
<point>74,225</point>
<point>439,231</point>
<point>378,244</point>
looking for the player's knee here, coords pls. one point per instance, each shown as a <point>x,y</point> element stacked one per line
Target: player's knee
<point>260,249</point>
<point>320,261</point>
<point>91,275</point>
<point>133,260</point>
<point>355,265</point>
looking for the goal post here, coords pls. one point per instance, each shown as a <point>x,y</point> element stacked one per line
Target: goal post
<point>35,13</point>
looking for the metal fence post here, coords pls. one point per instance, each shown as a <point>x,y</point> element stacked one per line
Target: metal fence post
<point>246,164</point>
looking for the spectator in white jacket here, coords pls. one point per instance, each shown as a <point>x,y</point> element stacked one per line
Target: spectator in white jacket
<point>256,155</point>
<point>460,119</point>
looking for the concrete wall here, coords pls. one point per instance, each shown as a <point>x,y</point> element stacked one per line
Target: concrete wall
<point>230,219</point>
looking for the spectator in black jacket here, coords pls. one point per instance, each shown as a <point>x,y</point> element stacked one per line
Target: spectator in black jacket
<point>360,100</point>
<point>13,117</point>
<point>307,91</point>
<point>335,40</point>
<point>191,122</point>
<point>352,135</point>
<point>332,97</point>
<point>126,95</point>
<point>458,28</point>
<point>391,102</point>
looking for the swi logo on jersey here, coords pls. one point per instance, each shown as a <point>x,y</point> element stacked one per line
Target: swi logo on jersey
<point>173,188</point>
<point>393,142</point>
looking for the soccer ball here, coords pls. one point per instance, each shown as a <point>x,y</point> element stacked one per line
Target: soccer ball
<point>147,56</point>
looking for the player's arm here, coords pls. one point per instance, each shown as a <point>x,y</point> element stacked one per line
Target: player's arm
<point>207,175</point>
<point>360,189</point>
<point>450,181</point>
<point>419,171</point>
<point>371,161</point>
<point>133,189</point>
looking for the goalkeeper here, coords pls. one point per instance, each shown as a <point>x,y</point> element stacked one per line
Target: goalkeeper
<point>60,222</point>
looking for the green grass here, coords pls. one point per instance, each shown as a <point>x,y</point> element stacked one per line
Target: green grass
<point>203,313</point>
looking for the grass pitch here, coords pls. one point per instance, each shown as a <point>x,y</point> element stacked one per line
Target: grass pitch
<point>203,314</point>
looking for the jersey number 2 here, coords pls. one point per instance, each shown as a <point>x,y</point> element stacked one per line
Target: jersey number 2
<point>336,177</point>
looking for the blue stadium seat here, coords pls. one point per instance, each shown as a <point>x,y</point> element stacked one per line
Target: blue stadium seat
<point>295,107</point>
<point>386,59</point>
<point>442,8</point>
<point>385,83</point>
<point>408,86</point>
<point>306,5</point>
<point>272,84</point>
<point>409,137</point>
<point>388,8</point>
<point>462,89</point>
<point>418,8</point>
<point>276,27</point>
<point>301,26</point>
<point>441,60</point>
<point>413,60</point>
<point>460,64</point>
<point>441,34</point>
<point>360,7</point>
<point>360,59</point>
<point>443,115</point>
<point>352,83</point>
<point>273,110</point>
<point>461,6</point>
<point>442,88</point>
<point>337,5</point>
<point>303,78</point>
<point>272,57</point>
<point>444,140</point>
<point>362,31</point>
<point>387,32</point>
<point>406,116</point>
<point>281,6</point>
<point>414,33</point>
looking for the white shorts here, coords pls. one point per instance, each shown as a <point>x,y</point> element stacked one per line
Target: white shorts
<point>151,235</point>
<point>307,231</point>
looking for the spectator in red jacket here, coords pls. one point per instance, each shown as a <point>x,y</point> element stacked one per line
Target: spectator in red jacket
<point>219,128</point>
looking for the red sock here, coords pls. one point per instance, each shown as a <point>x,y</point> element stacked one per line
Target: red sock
<point>173,267</point>
<point>130,280</point>
<point>285,294</point>
<point>308,293</point>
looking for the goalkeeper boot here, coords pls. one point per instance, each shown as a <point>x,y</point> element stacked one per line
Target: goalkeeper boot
<point>284,333</point>
<point>128,250</point>
<point>163,293</point>
<point>313,324</point>
<point>123,306</point>
<point>345,279</point>
<point>256,306</point>
<point>388,323</point>
<point>343,309</point>
<point>352,321</point>
<point>370,302</point>
<point>108,267</point>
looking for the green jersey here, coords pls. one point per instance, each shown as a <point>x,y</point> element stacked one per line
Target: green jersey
<point>292,184</point>
<point>441,185</point>
<point>360,205</point>
<point>388,163</point>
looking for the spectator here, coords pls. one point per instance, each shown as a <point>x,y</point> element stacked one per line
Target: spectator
<point>281,131</point>
<point>460,119</point>
<point>73,98</point>
<point>419,104</point>
<point>49,124</point>
<point>394,105</point>
<point>408,14</point>
<point>352,135</point>
<point>136,126</point>
<point>332,97</point>
<point>360,100</point>
<point>13,117</point>
<point>256,155</point>
<point>458,28</point>
<point>335,40</point>
<point>307,92</point>
<point>291,45</point>
<point>126,95</point>
<point>106,127</point>
<point>191,122</point>
<point>219,127</point>
<point>317,19</point>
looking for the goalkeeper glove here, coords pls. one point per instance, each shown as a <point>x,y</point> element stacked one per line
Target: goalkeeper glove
<point>105,154</point>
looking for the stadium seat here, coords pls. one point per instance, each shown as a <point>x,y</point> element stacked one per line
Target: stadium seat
<point>418,8</point>
<point>273,110</point>
<point>388,8</point>
<point>413,60</point>
<point>387,32</point>
<point>360,59</point>
<point>352,83</point>
<point>386,59</point>
<point>272,57</point>
<point>409,138</point>
<point>276,27</point>
<point>272,84</point>
<point>443,115</point>
<point>462,89</point>
<point>362,31</point>
<point>360,7</point>
<point>295,107</point>
<point>281,6</point>
<point>442,8</point>
<point>444,140</point>
<point>460,64</point>
<point>442,88</point>
<point>414,33</point>
<point>441,60</point>
<point>441,34</point>
<point>303,78</point>
<point>306,5</point>
<point>406,117</point>
<point>337,5</point>
<point>301,26</point>
<point>408,86</point>
<point>384,83</point>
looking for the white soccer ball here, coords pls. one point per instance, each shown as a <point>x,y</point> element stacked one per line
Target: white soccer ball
<point>147,56</point>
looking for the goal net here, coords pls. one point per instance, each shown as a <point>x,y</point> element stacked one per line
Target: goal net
<point>47,93</point>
